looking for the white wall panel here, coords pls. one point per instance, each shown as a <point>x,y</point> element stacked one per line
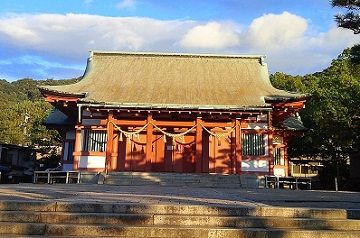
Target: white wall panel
<point>255,165</point>
<point>92,162</point>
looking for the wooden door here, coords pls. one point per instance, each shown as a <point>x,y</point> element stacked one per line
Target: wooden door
<point>158,154</point>
<point>135,159</point>
<point>220,155</point>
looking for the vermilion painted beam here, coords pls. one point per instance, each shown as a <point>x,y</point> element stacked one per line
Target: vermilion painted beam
<point>218,124</point>
<point>298,104</point>
<point>126,122</point>
<point>52,98</point>
<point>174,123</point>
<point>89,153</point>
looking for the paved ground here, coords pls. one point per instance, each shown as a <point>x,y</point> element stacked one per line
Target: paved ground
<point>180,195</point>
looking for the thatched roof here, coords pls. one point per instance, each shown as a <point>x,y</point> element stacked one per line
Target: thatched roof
<point>151,80</point>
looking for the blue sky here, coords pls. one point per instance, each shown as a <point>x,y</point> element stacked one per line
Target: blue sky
<point>50,39</point>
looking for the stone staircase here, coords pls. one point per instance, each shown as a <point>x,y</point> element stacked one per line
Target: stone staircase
<point>64,219</point>
<point>173,179</point>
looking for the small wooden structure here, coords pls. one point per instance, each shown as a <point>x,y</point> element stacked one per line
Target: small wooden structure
<point>175,113</point>
<point>51,177</point>
<point>272,181</point>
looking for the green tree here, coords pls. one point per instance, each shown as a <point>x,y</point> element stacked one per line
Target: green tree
<point>351,18</point>
<point>23,112</point>
<point>332,113</point>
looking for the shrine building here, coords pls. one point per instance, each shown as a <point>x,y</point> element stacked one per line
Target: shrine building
<point>183,113</point>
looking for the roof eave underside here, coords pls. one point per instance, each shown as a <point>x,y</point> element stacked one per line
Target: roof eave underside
<point>295,97</point>
<point>172,106</point>
<point>51,91</point>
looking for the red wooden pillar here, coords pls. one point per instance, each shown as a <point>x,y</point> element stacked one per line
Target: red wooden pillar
<point>115,153</point>
<point>168,154</point>
<point>270,144</point>
<point>232,168</point>
<point>198,146</point>
<point>206,152</point>
<point>109,145</point>
<point>149,139</point>
<point>77,148</point>
<point>286,159</point>
<point>238,151</point>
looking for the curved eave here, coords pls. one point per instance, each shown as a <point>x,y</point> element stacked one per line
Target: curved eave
<point>299,97</point>
<point>47,91</point>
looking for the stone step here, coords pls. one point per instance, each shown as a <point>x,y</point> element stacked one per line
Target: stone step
<point>173,179</point>
<point>170,209</point>
<point>178,220</point>
<point>158,180</point>
<point>173,174</point>
<point>13,205</point>
<point>164,232</point>
<point>120,182</point>
<point>155,180</point>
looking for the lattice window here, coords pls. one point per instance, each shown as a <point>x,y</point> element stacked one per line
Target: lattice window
<point>279,156</point>
<point>94,140</point>
<point>253,144</point>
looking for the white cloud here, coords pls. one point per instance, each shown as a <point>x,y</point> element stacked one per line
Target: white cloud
<point>289,41</point>
<point>213,35</point>
<point>126,4</point>
<point>73,35</point>
<point>273,30</point>
<point>17,29</point>
<point>292,46</point>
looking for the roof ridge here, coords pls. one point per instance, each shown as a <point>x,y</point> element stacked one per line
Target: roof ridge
<point>99,52</point>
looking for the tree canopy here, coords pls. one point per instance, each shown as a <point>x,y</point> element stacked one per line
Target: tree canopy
<point>333,111</point>
<point>23,111</point>
<point>351,18</point>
